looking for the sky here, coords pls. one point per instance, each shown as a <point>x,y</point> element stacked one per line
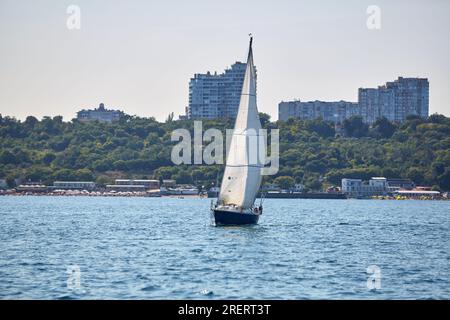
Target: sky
<point>138,56</point>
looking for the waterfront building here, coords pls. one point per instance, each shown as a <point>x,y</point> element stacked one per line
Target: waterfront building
<point>213,95</point>
<point>3,184</point>
<point>379,182</point>
<point>351,187</point>
<point>149,184</point>
<point>125,187</point>
<point>356,188</point>
<point>397,184</point>
<point>380,186</point>
<point>74,185</point>
<point>34,187</point>
<point>418,194</point>
<point>99,114</point>
<point>270,187</point>
<point>182,189</point>
<point>133,185</point>
<point>169,183</point>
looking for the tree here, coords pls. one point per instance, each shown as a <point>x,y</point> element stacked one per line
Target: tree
<point>298,174</point>
<point>102,181</point>
<point>39,173</point>
<point>322,128</point>
<point>31,121</point>
<point>383,128</point>
<point>316,166</point>
<point>444,180</point>
<point>6,157</point>
<point>437,118</point>
<point>415,174</point>
<point>170,117</point>
<point>133,147</point>
<point>390,173</point>
<point>355,127</point>
<point>264,118</point>
<point>284,182</point>
<point>64,175</point>
<point>183,177</point>
<point>165,172</point>
<point>48,158</point>
<point>84,175</point>
<point>10,181</point>
<point>102,165</point>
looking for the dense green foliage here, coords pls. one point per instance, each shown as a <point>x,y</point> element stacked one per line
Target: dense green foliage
<point>311,152</point>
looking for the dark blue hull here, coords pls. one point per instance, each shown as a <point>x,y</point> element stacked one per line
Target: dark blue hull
<point>222,218</point>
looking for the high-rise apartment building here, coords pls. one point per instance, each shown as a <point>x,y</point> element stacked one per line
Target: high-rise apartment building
<point>335,111</point>
<point>395,100</point>
<point>368,103</point>
<point>216,95</point>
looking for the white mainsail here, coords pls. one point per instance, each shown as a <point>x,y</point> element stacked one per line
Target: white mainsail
<point>242,176</point>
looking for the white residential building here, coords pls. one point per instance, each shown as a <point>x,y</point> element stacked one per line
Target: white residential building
<point>100,114</point>
<point>213,95</point>
<point>74,185</point>
<point>358,189</point>
<point>143,183</point>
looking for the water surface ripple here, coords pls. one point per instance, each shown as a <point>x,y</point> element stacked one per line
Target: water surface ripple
<point>160,248</point>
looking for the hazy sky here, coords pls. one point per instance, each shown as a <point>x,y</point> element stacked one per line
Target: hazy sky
<point>139,55</point>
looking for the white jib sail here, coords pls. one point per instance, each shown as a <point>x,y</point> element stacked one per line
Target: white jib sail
<point>242,176</point>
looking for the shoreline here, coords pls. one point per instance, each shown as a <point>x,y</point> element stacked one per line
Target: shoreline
<point>187,196</point>
<point>99,194</point>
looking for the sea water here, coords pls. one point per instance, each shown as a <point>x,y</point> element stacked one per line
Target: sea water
<point>166,248</point>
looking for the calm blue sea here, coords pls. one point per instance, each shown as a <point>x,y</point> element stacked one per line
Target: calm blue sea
<point>150,248</point>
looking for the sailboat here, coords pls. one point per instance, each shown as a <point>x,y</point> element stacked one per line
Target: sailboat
<point>242,176</point>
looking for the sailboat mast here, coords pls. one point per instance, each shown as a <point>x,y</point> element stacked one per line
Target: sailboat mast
<point>242,178</point>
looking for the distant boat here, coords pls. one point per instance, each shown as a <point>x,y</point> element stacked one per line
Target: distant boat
<point>242,177</point>
<point>188,191</point>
